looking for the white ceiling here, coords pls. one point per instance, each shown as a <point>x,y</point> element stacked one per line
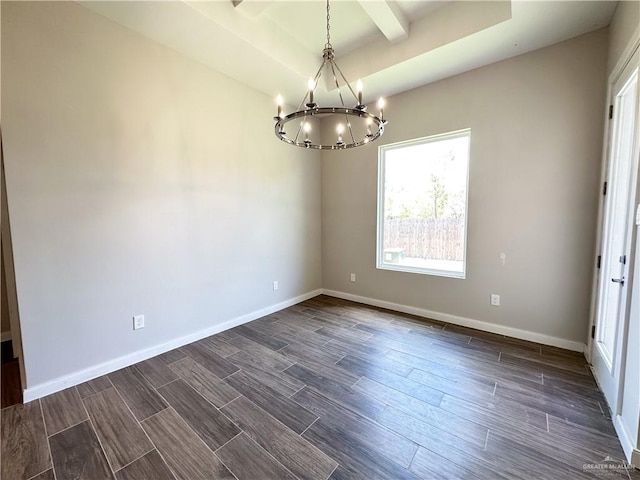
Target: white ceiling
<point>393,46</point>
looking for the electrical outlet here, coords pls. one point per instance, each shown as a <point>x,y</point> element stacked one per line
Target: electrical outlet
<point>353,277</point>
<point>495,300</point>
<point>138,322</point>
<point>275,285</point>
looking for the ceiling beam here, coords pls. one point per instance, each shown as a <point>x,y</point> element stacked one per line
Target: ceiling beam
<point>388,18</point>
<point>251,8</point>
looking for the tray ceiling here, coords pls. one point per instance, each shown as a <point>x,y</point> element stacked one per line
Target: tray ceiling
<point>393,46</point>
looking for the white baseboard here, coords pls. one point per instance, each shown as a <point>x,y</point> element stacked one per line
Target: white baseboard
<point>463,321</point>
<point>628,445</point>
<point>5,336</point>
<point>52,386</point>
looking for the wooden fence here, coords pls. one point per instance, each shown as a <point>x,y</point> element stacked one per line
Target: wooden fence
<point>434,238</point>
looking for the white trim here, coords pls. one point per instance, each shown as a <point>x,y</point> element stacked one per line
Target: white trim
<point>380,260</point>
<point>75,378</point>
<point>625,56</point>
<point>463,321</point>
<point>625,439</point>
<point>587,351</point>
<point>5,336</point>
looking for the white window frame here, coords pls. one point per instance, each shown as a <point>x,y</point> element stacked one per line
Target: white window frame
<point>380,263</point>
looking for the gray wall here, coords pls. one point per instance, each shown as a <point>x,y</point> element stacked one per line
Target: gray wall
<point>536,142</point>
<point>624,22</point>
<point>140,182</point>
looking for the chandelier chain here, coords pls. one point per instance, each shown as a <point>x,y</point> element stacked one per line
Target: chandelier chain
<point>328,44</point>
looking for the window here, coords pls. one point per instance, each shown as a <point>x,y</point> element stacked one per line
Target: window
<point>422,205</point>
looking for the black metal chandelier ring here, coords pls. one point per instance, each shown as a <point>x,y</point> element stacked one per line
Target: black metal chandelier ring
<point>375,127</point>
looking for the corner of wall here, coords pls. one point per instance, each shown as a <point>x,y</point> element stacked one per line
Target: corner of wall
<point>58,384</point>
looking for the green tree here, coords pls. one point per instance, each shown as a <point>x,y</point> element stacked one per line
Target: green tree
<point>456,205</point>
<point>439,196</point>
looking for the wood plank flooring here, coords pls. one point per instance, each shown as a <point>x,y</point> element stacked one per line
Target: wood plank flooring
<point>11,391</point>
<point>326,390</point>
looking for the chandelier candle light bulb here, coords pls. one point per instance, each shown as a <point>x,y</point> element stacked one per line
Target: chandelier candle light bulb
<point>307,128</point>
<point>279,102</point>
<point>311,84</point>
<point>359,90</point>
<point>381,107</point>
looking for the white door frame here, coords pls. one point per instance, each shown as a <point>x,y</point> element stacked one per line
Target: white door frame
<point>621,63</point>
<point>617,70</point>
<point>614,389</point>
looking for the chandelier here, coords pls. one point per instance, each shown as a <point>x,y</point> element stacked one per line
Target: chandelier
<point>354,125</point>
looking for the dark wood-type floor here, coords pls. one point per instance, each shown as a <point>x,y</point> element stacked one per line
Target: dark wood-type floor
<point>11,391</point>
<point>326,389</point>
